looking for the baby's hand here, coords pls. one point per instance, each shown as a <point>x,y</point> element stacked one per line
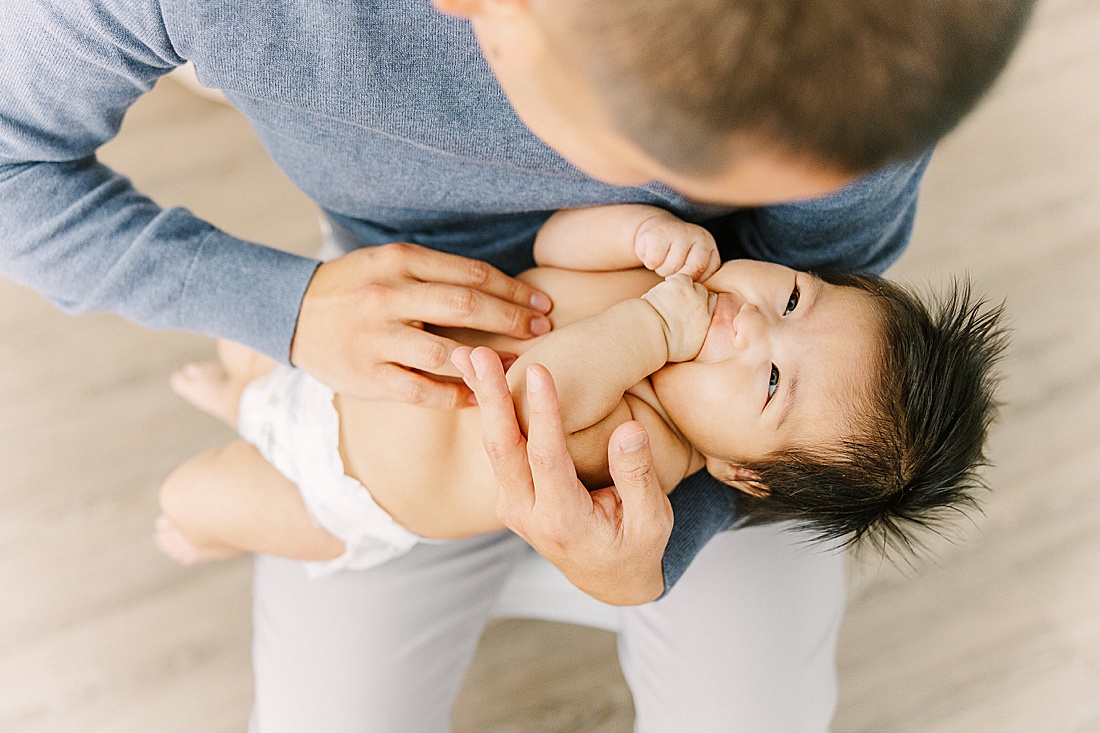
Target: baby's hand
<point>686,309</point>
<point>668,245</point>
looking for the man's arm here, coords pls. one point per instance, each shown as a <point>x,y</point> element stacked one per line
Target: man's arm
<point>80,234</point>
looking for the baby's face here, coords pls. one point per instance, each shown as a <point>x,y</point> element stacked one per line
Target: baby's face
<point>787,359</point>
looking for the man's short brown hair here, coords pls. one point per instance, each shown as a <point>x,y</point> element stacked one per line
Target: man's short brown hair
<point>854,84</point>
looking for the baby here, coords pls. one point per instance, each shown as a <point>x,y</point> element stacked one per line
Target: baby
<point>836,401</point>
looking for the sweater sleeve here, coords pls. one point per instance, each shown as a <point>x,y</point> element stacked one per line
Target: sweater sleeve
<point>865,227</point>
<point>78,232</point>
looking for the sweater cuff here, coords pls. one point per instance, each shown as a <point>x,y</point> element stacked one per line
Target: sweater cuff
<point>245,292</point>
<point>702,506</point>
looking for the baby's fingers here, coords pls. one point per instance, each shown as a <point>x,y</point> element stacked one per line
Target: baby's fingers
<point>714,263</point>
<point>675,259</point>
<point>701,259</point>
<point>702,262</point>
<point>650,252</point>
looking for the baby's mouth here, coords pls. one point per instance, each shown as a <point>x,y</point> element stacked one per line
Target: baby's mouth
<point>720,334</point>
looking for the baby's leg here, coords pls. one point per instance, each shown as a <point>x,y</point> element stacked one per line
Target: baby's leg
<point>241,362</point>
<point>215,386</point>
<point>230,500</point>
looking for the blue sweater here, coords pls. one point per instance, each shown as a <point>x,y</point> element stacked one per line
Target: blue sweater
<point>384,113</point>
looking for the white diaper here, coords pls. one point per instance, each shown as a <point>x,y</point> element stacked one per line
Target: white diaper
<point>289,417</point>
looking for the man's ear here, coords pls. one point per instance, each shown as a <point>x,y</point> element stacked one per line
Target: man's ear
<point>738,477</point>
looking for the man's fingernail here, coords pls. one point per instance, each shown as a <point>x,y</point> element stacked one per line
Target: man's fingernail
<point>534,379</point>
<point>541,302</point>
<point>633,442</point>
<point>479,367</point>
<point>539,326</point>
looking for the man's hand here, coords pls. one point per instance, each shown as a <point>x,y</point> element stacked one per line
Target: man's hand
<point>669,245</point>
<point>361,325</point>
<point>686,309</point>
<point>609,542</point>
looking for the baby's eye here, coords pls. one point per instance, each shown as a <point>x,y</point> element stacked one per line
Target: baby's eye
<point>773,382</point>
<point>792,302</point>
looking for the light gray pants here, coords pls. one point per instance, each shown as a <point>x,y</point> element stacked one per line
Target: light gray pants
<point>744,643</point>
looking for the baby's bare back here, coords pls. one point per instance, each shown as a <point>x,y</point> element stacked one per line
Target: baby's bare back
<point>427,467</point>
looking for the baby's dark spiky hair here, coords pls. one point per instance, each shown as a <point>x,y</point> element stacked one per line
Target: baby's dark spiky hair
<point>913,462</point>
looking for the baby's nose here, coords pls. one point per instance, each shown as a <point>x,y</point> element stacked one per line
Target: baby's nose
<point>750,325</point>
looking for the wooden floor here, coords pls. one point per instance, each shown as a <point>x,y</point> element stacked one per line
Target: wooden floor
<point>1001,632</point>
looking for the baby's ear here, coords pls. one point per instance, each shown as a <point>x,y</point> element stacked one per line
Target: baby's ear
<point>738,477</point>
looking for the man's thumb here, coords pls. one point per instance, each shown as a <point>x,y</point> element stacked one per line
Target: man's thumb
<point>631,463</point>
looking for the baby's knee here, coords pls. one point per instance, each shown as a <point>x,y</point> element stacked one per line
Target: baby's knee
<point>181,491</point>
<point>176,494</point>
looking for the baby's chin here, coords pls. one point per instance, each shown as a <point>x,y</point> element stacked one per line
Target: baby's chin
<point>670,384</point>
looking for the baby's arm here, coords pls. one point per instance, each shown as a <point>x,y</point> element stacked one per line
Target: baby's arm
<point>594,361</point>
<point>230,500</point>
<point>626,236</point>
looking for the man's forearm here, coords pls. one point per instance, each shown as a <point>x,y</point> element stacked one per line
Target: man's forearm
<point>79,233</point>
<point>81,236</point>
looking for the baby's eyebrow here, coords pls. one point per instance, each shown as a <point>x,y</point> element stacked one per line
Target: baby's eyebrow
<point>792,375</point>
<point>792,393</point>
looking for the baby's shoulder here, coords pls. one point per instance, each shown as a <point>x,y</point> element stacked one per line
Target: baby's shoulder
<point>672,453</point>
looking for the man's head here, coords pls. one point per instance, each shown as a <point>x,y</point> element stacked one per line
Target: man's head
<point>742,101</point>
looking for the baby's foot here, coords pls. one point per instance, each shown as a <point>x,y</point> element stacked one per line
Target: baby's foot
<point>173,544</point>
<point>209,387</point>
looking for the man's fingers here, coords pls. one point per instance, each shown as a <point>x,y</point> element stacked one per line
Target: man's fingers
<point>551,463</point>
<point>424,351</point>
<point>503,440</point>
<point>465,307</point>
<point>645,506</point>
<point>401,384</point>
<point>441,267</point>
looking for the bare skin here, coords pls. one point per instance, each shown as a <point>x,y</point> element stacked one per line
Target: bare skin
<point>443,487</point>
<point>200,486</point>
<point>232,478</point>
<point>427,469</point>
<point>353,296</point>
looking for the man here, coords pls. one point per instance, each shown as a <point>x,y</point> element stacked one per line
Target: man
<point>462,134</point>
